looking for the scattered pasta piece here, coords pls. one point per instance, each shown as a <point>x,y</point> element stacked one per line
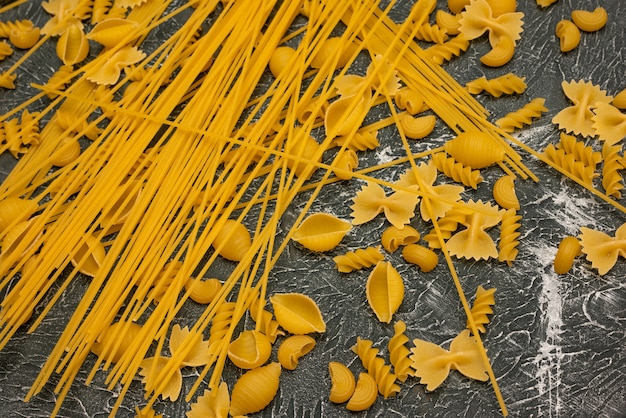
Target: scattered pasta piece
<point>255,389</point>
<point>394,238</point>
<point>399,353</point>
<point>426,259</point>
<point>523,116</point>
<point>456,170</point>
<point>475,149</point>
<point>417,127</point>
<point>251,349</point>
<point>297,313</point>
<point>212,403</point>
<point>569,249</point>
<point>365,393</point>
<point>578,118</point>
<point>110,70</point>
<point>292,349</point>
<point>568,34</point>
<point>483,302</point>
<point>321,232</point>
<point>111,32</point>
<point>384,290</point>
<point>504,193</point>
<point>73,46</point>
<point>376,367</point>
<point>474,242</point>
<point>371,200</point>
<point>545,3</point>
<point>609,123</point>
<point>590,21</point>
<point>343,382</point>
<point>501,53</point>
<point>619,101</point>
<point>358,259</point>
<point>506,84</point>
<point>509,234</point>
<point>601,249</point>
<point>612,166</point>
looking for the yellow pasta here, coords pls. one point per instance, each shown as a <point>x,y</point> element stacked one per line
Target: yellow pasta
<point>255,389</point>
<point>250,350</point>
<point>579,150</point>
<point>448,22</point>
<point>346,114</point>
<point>376,367</point>
<point>233,240</point>
<point>475,149</point>
<point>421,256</point>
<point>417,127</point>
<point>342,382</point>
<point>448,224</point>
<point>358,259</point>
<point>297,313</point>
<point>523,116</point>
<point>265,321</point>
<point>478,18</point>
<point>14,210</point>
<point>5,50</point>
<point>213,403</point>
<point>569,249</point>
<point>457,6</point>
<point>364,395</point>
<point>482,306</point>
<point>474,242</point>
<point>321,232</point>
<point>399,353</point>
<point>545,3</point>
<point>619,100</point>
<point>569,164</point>
<point>609,123</point>
<point>431,33</point>
<point>590,21</point>
<point>347,161</point>
<point>501,53</point>
<point>506,84</point>
<point>568,34</point>
<point>362,140</point>
<point>601,249</point>
<point>504,193</point>
<point>292,349</point>
<point>72,46</point>
<point>509,234</point>
<point>456,170</point>
<point>115,340</point>
<point>23,34</point>
<point>612,180</point>
<point>371,200</point>
<point>384,290</point>
<point>394,238</point>
<point>89,256</point>
<point>113,31</point>
<point>444,52</point>
<point>578,118</point>
<point>203,291</point>
<point>110,72</point>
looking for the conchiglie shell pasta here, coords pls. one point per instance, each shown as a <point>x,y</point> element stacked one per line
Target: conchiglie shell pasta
<point>343,382</point>
<point>568,250</point>
<point>233,240</point>
<point>297,313</point>
<point>365,393</point>
<point>346,114</point>
<point>255,390</point>
<point>321,232</point>
<point>250,350</point>
<point>14,210</point>
<point>16,235</point>
<point>384,290</point>
<point>89,256</point>
<point>72,45</point>
<point>504,193</point>
<point>475,149</point>
<point>292,349</point>
<point>113,31</point>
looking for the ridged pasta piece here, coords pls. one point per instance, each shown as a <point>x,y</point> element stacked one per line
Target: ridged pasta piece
<point>474,242</point>
<point>444,52</point>
<point>251,349</point>
<point>399,353</point>
<point>523,116</point>
<point>328,50</point>
<point>342,382</point>
<point>482,306</point>
<point>609,123</point>
<point>280,59</point>
<point>297,313</point>
<point>590,21</point>
<point>504,193</point>
<point>619,100</point>
<point>384,290</point>
<point>409,100</point>
<point>432,363</point>
<point>448,225</point>
<point>431,33</point>
<point>306,149</point>
<point>545,3</point>
<point>220,324</point>
<point>77,124</point>
<point>14,210</point>
<point>203,291</point>
<point>417,127</point>
<point>580,151</point>
<point>506,84</point>
<point>602,250</point>
<point>151,367</point>
<point>359,259</point>
<point>113,31</point>
<point>612,180</point>
<point>569,249</point>
<point>72,45</point>
<point>212,403</point>
<point>568,34</point>
<point>375,365</point>
<point>426,259</point>
<point>509,234</point>
<point>362,140</point>
<point>457,6</point>
<point>448,22</point>
<point>501,53</point>
<point>475,149</point>
<point>321,232</point>
<point>23,34</point>
<point>456,170</point>
<point>393,237</point>
<point>570,164</point>
<point>264,319</point>
<point>59,80</point>
<point>347,162</point>
<point>233,240</point>
<point>292,349</point>
<point>89,256</point>
<point>371,200</point>
<point>578,118</point>
<point>500,7</point>
<point>365,393</point>
<point>346,114</point>
<point>255,389</point>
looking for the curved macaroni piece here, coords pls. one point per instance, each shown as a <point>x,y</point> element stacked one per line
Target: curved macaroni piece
<point>448,22</point>
<point>602,250</point>
<point>501,53</point>
<point>444,52</point>
<point>456,170</point>
<point>509,234</point>
<point>376,367</point>
<point>569,249</point>
<point>569,164</point>
<point>365,393</point>
<point>371,200</point>
<point>384,291</point>
<point>568,34</point>
<point>504,193</point>
<point>358,259</point>
<point>72,45</point>
<point>583,153</point>
<point>255,389</point>
<point>115,340</point>
<point>409,100</point>
<point>232,241</point>
<point>292,349</point>
<point>523,116</point>
<point>399,353</point>
<point>432,363</point>
<point>321,232</point>
<point>212,403</point>
<point>483,302</point>
<point>417,127</point>
<point>362,140</point>
<point>251,349</point>
<point>342,382</point>
<point>590,21</point>
<point>394,238</point>
<point>448,225</point>
<point>421,256</point>
<point>113,31</point>
<point>203,291</point>
<point>609,123</point>
<point>474,242</point>
<point>297,313</point>
<point>612,180</point>
<point>431,33</point>
<point>475,149</point>
<point>506,84</point>
<point>346,162</point>
<point>59,80</point>
<point>578,118</point>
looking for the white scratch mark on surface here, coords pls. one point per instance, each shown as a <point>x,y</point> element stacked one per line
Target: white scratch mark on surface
<point>548,360</point>
<point>386,155</point>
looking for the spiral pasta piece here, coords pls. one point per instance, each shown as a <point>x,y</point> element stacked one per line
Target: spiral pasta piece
<point>375,365</point>
<point>509,234</point>
<point>483,303</point>
<point>359,259</point>
<point>568,34</point>
<point>399,353</point>
<point>456,170</point>
<point>585,154</point>
<point>431,33</point>
<point>7,80</point>
<point>221,323</point>
<point>393,237</point>
<point>347,162</point>
<point>448,225</point>
<point>59,80</point>
<point>523,116</point>
<point>612,180</point>
<point>590,21</point>
<point>444,52</point>
<point>569,249</point>
<point>506,84</point>
<point>570,164</point>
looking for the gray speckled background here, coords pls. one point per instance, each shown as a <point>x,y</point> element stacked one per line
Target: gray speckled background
<point>557,343</point>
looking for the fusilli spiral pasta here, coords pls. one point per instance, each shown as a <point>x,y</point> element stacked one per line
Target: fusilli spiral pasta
<point>509,234</point>
<point>431,33</point>
<point>444,52</point>
<point>523,116</point>
<point>358,259</point>
<point>570,164</point>
<point>456,170</point>
<point>375,365</point>
<point>399,353</point>
<point>506,84</point>
<point>483,302</point>
<point>612,180</point>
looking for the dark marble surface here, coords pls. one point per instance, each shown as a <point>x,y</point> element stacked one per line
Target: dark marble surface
<point>557,343</point>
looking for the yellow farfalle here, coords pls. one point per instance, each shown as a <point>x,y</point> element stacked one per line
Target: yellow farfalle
<point>197,355</point>
<point>111,69</point>
<point>474,242</point>
<point>432,363</point>
<point>609,123</point>
<point>585,97</point>
<point>371,200</point>
<point>64,13</point>
<point>601,249</point>
<point>478,18</point>
<point>213,403</point>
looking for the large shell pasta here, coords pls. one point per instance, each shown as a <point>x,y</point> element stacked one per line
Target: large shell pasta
<point>233,240</point>
<point>250,350</point>
<point>321,232</point>
<point>255,389</point>
<point>343,382</point>
<point>297,313</point>
<point>111,32</point>
<point>292,349</point>
<point>384,290</point>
